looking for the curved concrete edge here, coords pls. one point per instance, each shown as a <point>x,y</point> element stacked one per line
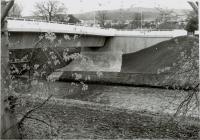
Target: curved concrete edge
<point>36,26</point>
<point>96,61</point>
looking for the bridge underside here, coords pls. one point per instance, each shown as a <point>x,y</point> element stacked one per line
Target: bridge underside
<point>101,53</point>
<point>25,40</point>
<point>109,57</point>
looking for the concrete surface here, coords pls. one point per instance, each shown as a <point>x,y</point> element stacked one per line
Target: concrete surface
<point>23,25</point>
<point>109,57</point>
<point>26,40</point>
<point>35,26</point>
<point>113,42</point>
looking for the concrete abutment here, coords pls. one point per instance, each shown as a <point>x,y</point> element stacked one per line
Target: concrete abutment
<point>109,57</point>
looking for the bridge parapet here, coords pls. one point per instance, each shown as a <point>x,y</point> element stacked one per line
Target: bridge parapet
<point>29,25</point>
<point>37,26</point>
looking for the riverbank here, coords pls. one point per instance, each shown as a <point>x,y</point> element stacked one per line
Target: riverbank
<point>73,119</point>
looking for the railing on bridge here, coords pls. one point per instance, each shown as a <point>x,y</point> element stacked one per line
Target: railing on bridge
<point>80,24</point>
<point>32,25</point>
<point>57,22</point>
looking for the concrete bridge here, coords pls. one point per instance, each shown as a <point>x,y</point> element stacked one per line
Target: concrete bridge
<point>103,46</point>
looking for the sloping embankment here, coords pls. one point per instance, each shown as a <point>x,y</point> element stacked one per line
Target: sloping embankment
<point>74,119</point>
<point>159,56</point>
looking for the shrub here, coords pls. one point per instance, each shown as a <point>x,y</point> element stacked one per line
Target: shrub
<point>192,24</point>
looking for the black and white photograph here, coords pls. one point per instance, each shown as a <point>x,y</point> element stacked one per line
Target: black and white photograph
<point>100,69</point>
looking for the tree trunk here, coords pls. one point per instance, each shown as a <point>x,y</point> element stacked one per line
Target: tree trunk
<point>50,16</point>
<point>9,128</point>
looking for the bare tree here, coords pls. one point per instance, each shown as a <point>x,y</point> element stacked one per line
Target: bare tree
<point>102,17</point>
<point>49,9</point>
<point>15,11</point>
<point>192,18</point>
<point>165,14</point>
<point>137,21</point>
<point>7,116</point>
<point>194,5</point>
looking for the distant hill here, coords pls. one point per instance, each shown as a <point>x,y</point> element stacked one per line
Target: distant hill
<point>128,14</point>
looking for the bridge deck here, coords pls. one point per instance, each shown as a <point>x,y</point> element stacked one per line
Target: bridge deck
<point>38,26</point>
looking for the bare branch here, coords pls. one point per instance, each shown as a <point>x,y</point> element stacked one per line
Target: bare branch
<point>32,118</point>
<point>49,9</point>
<point>27,115</point>
<point>35,108</point>
<point>102,17</point>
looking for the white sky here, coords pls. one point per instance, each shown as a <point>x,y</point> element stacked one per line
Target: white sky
<point>80,6</point>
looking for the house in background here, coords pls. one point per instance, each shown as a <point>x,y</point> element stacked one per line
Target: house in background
<point>67,19</point>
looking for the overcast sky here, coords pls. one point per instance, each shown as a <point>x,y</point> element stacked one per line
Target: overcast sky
<point>80,6</point>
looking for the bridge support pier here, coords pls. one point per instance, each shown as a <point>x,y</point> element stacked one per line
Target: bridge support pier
<point>109,57</point>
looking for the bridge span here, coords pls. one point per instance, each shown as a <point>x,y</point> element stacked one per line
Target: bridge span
<point>103,46</point>
<point>24,25</point>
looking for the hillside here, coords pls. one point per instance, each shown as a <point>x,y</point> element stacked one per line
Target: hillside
<point>128,14</point>
<point>159,56</point>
